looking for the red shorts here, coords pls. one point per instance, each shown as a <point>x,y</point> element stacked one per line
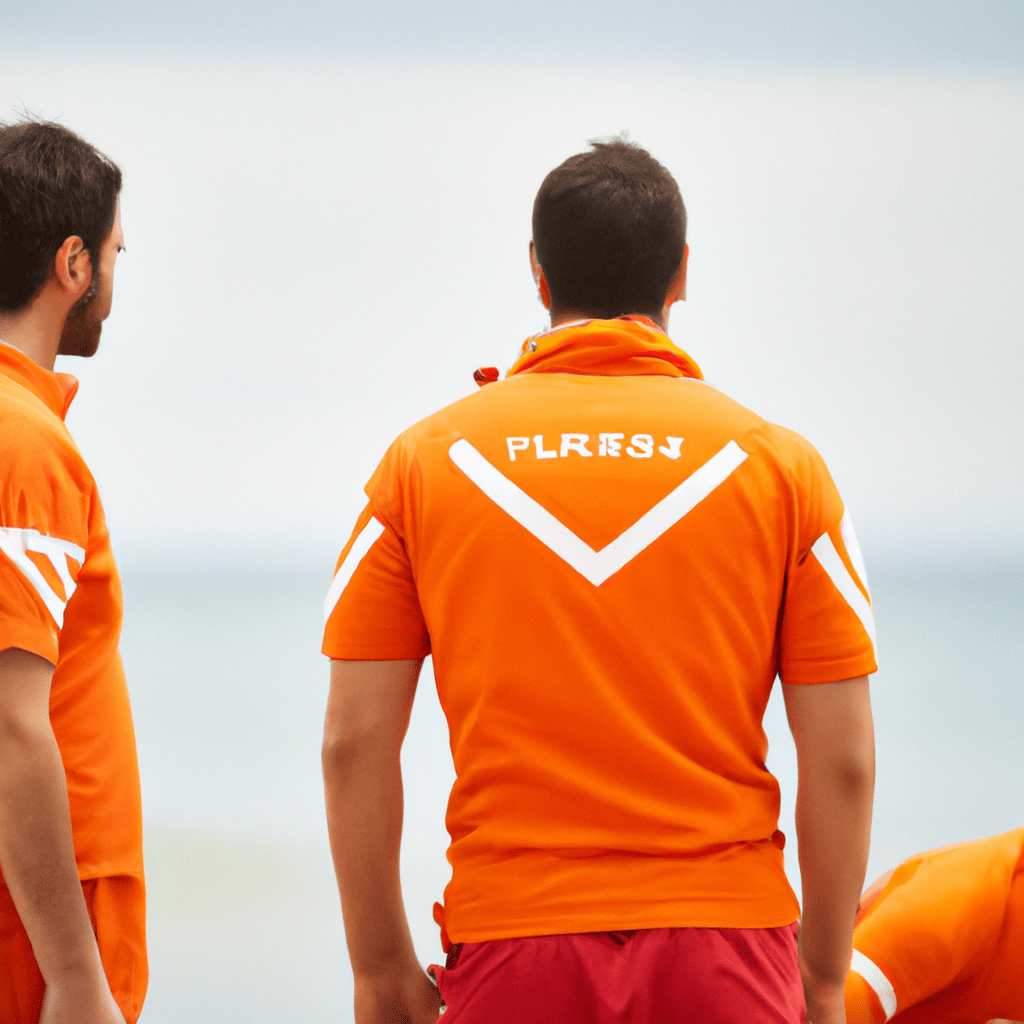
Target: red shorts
<point>654,976</point>
<point>117,909</point>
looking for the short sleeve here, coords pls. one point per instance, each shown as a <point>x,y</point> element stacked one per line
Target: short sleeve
<point>372,609</point>
<point>827,630</point>
<point>46,495</point>
<point>37,579</point>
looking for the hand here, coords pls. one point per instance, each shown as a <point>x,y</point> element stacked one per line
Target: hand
<point>409,998</point>
<point>81,1001</point>
<point>825,1004</point>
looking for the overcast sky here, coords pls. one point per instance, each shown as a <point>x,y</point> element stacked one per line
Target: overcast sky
<point>327,211</point>
<point>877,33</point>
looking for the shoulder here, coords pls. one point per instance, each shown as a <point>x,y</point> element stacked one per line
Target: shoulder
<point>781,454</point>
<point>441,429</point>
<point>786,448</point>
<point>791,453</point>
<point>27,421</point>
<point>790,447</point>
<point>44,482</point>
<point>405,460</point>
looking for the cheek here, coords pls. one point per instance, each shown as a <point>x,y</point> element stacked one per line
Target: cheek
<point>101,303</point>
<point>105,296</point>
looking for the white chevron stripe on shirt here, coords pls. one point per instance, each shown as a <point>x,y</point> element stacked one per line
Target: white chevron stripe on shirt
<point>595,566</point>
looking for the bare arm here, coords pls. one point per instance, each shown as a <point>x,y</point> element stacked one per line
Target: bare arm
<point>367,716</point>
<point>37,852</point>
<point>834,736</point>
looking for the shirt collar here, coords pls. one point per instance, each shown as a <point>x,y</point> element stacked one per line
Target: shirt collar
<point>55,390</point>
<point>626,346</point>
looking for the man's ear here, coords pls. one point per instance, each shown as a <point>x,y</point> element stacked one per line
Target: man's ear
<point>543,291</point>
<point>677,286</point>
<point>72,268</point>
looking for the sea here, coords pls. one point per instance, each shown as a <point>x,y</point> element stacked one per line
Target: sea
<point>228,690</point>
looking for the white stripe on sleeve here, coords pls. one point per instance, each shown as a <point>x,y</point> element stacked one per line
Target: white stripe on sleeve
<point>879,983</point>
<point>16,543</point>
<point>825,551</point>
<point>368,536</point>
<point>853,548</point>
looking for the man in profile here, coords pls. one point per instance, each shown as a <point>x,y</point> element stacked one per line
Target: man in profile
<point>72,903</point>
<point>610,562</point>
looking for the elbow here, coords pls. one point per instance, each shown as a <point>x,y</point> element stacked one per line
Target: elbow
<point>345,744</point>
<point>856,772</point>
<point>24,735</point>
<point>842,778</point>
<point>340,736</point>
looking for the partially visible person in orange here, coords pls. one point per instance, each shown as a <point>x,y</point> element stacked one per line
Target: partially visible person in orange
<point>610,562</point>
<point>72,900</point>
<point>941,938</point>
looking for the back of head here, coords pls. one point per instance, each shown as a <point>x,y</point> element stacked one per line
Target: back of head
<point>53,185</point>
<point>609,229</point>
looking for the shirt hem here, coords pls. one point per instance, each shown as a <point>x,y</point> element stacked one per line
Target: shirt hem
<point>110,869</point>
<point>623,922</point>
<point>37,642</point>
<point>104,869</point>
<point>833,672</point>
<point>351,652</point>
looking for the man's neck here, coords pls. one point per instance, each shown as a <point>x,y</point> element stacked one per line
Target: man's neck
<point>569,316</point>
<point>32,333</point>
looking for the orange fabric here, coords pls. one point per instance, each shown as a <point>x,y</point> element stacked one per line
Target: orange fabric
<point>635,348</point>
<point>117,909</point>
<point>606,733</point>
<point>948,933</point>
<point>862,1005</point>
<point>60,598</point>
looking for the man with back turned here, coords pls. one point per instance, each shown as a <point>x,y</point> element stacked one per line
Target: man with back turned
<point>610,563</point>
<point>72,903</point>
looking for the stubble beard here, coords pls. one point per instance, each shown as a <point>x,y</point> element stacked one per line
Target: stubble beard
<point>82,329</point>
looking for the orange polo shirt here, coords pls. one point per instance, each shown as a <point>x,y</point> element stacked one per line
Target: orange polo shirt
<point>944,941</point>
<point>609,561</point>
<point>60,598</point>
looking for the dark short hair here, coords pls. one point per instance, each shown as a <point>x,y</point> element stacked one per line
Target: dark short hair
<point>609,229</point>
<point>53,185</point>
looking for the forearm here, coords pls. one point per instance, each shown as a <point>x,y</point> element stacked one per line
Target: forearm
<point>367,715</point>
<point>364,818</point>
<point>833,821</point>
<point>835,750</point>
<point>37,853</point>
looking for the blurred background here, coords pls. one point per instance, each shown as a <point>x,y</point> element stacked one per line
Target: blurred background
<point>327,211</point>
